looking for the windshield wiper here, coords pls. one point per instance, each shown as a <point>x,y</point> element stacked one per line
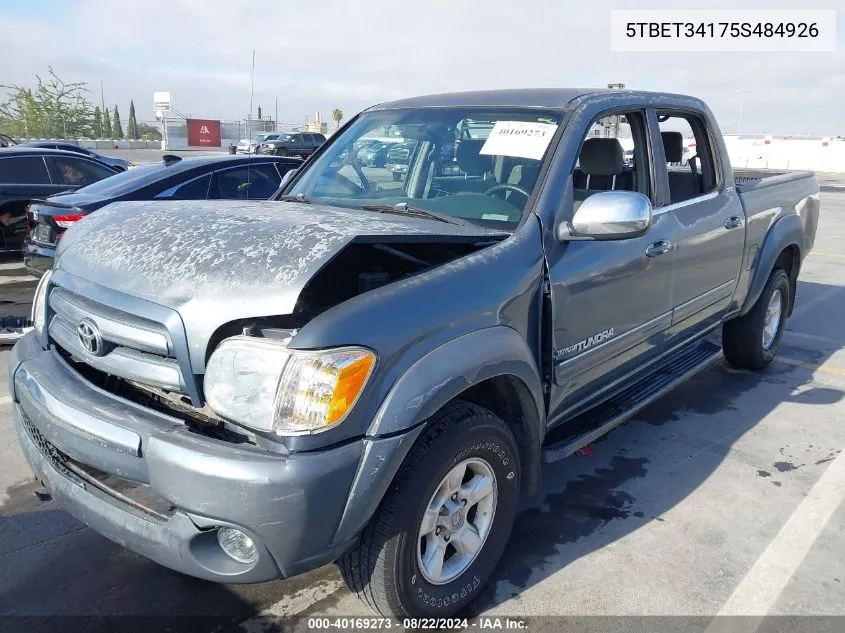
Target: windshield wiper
<point>300,197</point>
<point>403,209</point>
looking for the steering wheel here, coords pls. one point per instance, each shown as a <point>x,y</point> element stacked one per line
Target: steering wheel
<point>507,187</point>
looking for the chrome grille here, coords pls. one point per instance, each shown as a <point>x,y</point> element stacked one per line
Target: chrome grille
<point>133,348</point>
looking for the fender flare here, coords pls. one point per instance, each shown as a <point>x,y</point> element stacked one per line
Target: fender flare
<point>787,231</point>
<point>431,382</point>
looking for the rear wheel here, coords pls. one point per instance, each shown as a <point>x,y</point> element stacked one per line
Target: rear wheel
<point>444,523</point>
<point>752,340</point>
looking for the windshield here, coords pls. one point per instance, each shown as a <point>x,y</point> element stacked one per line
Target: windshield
<point>479,165</point>
<point>259,137</point>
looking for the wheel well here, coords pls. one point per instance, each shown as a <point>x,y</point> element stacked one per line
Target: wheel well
<point>510,399</point>
<point>790,260</point>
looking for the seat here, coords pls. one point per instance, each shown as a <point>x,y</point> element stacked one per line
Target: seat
<point>683,183</point>
<point>603,167</point>
<point>471,161</point>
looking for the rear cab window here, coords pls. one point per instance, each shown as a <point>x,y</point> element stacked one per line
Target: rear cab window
<point>690,155</point>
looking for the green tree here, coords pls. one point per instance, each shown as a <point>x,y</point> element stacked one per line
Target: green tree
<point>149,132</point>
<point>97,125</point>
<point>337,117</point>
<point>106,124</point>
<point>52,109</point>
<point>132,125</point>
<point>116,127</point>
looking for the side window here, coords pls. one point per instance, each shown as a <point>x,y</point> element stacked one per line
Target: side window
<point>196,189</point>
<point>257,182</point>
<point>78,172</point>
<point>307,139</point>
<point>23,170</point>
<point>689,155</point>
<point>613,157</point>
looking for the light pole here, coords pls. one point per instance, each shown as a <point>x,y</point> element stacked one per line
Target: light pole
<point>742,94</point>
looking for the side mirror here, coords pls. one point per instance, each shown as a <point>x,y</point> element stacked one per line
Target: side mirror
<point>608,215</point>
<point>286,178</point>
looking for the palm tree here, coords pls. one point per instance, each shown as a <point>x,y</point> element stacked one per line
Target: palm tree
<point>337,117</point>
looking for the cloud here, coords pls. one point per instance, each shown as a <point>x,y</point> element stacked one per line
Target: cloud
<point>328,53</point>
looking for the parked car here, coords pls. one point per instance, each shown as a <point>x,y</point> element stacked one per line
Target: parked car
<point>29,172</point>
<point>201,178</point>
<point>299,144</point>
<point>120,164</point>
<point>250,146</point>
<point>374,154</point>
<point>397,159</point>
<point>247,391</point>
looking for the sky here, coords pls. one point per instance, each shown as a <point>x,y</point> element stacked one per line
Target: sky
<point>321,54</point>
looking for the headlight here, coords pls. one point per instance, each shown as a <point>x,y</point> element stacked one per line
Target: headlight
<point>263,385</point>
<point>38,303</point>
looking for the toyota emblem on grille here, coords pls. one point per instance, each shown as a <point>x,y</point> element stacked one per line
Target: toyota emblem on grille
<point>89,335</point>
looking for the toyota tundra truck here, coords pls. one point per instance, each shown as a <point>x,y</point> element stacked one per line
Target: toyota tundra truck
<point>373,371</point>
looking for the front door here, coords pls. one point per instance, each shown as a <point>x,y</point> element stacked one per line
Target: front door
<point>611,300</point>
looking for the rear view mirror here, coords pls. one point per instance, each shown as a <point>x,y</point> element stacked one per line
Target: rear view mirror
<point>608,215</point>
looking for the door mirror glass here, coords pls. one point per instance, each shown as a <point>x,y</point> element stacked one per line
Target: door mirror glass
<point>608,215</point>
<point>287,176</point>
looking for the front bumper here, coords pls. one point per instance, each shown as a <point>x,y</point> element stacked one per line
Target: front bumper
<point>290,505</point>
<point>38,258</point>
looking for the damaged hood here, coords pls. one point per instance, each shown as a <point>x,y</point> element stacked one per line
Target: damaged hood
<point>216,261</point>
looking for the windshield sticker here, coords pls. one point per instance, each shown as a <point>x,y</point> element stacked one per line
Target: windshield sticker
<point>519,138</point>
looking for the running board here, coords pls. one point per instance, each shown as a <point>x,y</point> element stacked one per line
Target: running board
<point>680,366</point>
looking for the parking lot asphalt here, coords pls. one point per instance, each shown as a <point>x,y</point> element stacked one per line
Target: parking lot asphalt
<point>724,497</point>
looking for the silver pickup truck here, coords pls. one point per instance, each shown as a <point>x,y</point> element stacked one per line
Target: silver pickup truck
<point>372,370</point>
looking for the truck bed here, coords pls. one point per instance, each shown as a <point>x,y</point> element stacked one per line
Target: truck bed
<point>762,191</point>
<point>749,179</point>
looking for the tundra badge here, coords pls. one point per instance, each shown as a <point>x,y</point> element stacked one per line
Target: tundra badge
<point>588,342</point>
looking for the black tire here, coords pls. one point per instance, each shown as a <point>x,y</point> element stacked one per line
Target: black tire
<point>742,338</point>
<point>396,177</point>
<point>383,569</point>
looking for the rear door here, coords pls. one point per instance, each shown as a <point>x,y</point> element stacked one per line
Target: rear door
<point>22,178</point>
<point>708,238</point>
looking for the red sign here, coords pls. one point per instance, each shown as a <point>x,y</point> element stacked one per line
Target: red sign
<point>203,133</point>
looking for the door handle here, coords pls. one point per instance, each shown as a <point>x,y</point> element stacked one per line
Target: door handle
<point>733,222</point>
<point>660,247</point>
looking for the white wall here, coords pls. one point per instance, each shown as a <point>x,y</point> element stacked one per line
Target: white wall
<point>775,153</point>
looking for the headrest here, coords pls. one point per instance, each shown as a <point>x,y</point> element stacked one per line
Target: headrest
<point>470,161</point>
<point>601,157</point>
<point>673,146</point>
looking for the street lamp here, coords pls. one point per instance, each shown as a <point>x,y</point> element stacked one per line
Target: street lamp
<point>742,94</point>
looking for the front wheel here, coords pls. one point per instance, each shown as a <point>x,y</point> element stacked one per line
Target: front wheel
<point>752,340</point>
<point>444,523</point>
